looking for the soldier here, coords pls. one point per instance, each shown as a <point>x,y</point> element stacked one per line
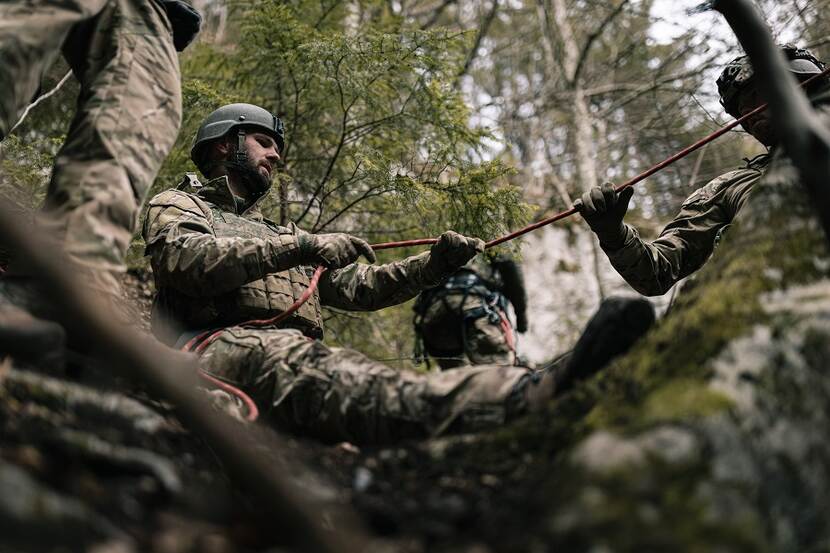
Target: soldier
<point>218,263</point>
<point>466,315</point>
<point>688,241</point>
<point>123,52</point>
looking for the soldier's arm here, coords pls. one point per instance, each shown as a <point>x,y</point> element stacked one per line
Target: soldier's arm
<point>514,289</point>
<point>186,254</point>
<point>361,287</point>
<point>686,243</point>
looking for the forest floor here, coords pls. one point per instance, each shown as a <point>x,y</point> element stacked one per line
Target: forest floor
<point>84,464</point>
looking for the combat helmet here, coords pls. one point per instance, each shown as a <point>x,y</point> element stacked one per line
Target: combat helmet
<point>235,116</point>
<point>738,73</point>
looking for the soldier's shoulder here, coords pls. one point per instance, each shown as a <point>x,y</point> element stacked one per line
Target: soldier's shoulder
<point>711,189</point>
<point>175,198</point>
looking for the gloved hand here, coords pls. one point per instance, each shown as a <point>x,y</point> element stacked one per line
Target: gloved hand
<point>603,210</point>
<point>333,250</point>
<point>451,252</point>
<point>185,20</point>
<point>521,323</point>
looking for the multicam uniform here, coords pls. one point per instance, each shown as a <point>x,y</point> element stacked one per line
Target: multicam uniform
<point>216,267</point>
<point>686,243</point>
<point>128,113</point>
<point>465,317</point>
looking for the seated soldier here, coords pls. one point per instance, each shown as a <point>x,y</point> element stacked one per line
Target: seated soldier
<point>218,263</point>
<point>464,319</point>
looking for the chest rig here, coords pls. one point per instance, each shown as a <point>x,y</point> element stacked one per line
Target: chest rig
<point>256,300</point>
<point>276,292</point>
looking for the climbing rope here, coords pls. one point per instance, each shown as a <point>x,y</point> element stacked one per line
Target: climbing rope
<point>198,344</point>
<point>203,340</point>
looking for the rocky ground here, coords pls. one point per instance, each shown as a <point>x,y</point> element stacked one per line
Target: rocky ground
<point>90,463</point>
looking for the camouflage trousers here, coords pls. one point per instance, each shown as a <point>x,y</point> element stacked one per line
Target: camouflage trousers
<point>337,394</point>
<point>454,338</point>
<point>127,119</point>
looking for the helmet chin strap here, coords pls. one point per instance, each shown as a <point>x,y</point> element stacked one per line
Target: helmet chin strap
<point>239,161</point>
<point>241,156</point>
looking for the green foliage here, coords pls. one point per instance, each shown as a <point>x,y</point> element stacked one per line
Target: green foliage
<point>25,168</point>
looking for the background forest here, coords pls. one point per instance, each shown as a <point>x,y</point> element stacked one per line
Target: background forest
<point>408,117</point>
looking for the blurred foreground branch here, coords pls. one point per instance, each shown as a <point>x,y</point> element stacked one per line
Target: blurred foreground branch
<point>286,511</point>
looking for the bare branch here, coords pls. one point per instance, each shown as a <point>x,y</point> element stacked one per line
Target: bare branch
<point>483,29</point>
<point>583,54</point>
<point>436,14</point>
<point>40,99</point>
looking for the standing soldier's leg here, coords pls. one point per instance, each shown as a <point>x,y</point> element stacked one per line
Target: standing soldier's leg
<point>31,35</point>
<point>340,394</point>
<point>128,117</point>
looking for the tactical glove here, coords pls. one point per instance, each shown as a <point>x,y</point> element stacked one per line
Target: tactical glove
<point>450,253</point>
<point>185,20</point>
<point>333,250</point>
<point>603,209</point>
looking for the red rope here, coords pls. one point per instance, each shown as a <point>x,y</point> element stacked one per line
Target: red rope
<point>253,412</point>
<point>199,343</point>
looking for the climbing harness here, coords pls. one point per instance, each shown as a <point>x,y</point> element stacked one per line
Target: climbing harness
<point>200,342</point>
<point>465,283</point>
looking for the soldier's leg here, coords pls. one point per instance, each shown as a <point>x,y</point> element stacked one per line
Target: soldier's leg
<point>489,341</point>
<point>127,120</point>
<point>31,35</point>
<point>340,394</point>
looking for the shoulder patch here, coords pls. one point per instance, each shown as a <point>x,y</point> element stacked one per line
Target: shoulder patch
<point>181,200</point>
<point>716,185</point>
<point>171,207</point>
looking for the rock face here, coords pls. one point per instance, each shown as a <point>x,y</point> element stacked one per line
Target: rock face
<point>710,435</point>
<point>86,469</point>
<point>721,414</point>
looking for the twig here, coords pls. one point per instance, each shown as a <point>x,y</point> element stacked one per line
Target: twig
<point>40,99</point>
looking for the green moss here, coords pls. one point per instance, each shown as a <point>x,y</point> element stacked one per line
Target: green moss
<point>682,399</point>
<point>720,305</point>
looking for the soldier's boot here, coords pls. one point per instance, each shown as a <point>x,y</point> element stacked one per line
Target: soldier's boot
<point>23,292</point>
<point>614,328</point>
<point>25,337</point>
<point>611,332</point>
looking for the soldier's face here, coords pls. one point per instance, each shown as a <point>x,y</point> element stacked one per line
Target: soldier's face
<point>263,154</point>
<point>759,124</point>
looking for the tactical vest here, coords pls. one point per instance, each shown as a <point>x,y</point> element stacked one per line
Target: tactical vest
<point>259,299</point>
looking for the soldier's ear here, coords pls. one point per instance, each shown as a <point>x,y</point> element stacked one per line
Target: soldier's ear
<point>222,148</point>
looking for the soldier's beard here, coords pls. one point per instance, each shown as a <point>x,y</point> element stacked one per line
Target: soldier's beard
<point>249,176</point>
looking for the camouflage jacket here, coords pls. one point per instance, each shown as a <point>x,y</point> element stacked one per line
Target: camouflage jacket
<point>214,266</point>
<point>686,243</point>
